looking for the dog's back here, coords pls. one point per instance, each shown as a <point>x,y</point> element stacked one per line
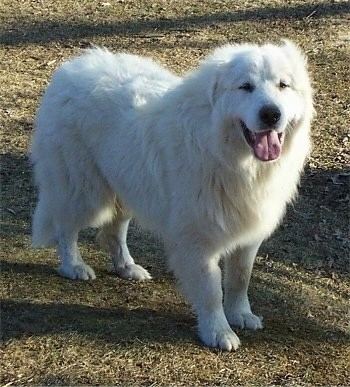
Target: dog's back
<point>88,94</point>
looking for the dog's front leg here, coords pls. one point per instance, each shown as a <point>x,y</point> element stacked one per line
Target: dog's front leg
<point>238,269</point>
<point>200,279</point>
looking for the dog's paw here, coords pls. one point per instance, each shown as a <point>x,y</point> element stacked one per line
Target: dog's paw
<point>224,339</point>
<point>218,335</point>
<point>80,271</point>
<point>133,272</point>
<point>246,320</point>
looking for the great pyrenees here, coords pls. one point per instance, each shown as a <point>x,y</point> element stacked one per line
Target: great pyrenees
<point>208,162</point>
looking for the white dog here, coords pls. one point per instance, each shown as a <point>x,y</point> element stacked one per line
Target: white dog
<point>208,161</point>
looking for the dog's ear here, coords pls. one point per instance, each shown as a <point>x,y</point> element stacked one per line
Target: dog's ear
<point>299,61</point>
<point>217,62</point>
<point>214,66</point>
<point>294,52</point>
<point>213,86</point>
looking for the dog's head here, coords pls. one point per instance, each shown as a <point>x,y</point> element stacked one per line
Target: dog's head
<point>262,93</point>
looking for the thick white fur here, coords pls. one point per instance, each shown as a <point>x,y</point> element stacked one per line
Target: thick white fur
<point>120,136</point>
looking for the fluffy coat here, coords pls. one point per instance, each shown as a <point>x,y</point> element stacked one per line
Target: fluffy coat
<point>119,136</point>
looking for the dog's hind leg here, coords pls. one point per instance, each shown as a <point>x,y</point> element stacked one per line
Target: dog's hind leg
<point>112,238</point>
<point>238,269</point>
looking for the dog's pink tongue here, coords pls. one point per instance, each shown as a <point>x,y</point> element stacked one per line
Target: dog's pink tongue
<point>267,145</point>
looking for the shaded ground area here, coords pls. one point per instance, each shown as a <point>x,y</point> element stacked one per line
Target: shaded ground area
<point>110,331</point>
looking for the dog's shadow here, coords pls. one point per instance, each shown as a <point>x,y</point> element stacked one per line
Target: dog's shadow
<point>115,325</point>
<point>111,323</point>
<point>160,322</point>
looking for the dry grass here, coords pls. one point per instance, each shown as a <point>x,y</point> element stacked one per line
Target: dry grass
<point>111,331</point>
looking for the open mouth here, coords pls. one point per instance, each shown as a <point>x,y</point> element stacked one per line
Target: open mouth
<point>266,145</point>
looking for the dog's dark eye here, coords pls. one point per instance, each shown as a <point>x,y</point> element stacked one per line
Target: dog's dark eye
<point>247,87</point>
<point>283,85</point>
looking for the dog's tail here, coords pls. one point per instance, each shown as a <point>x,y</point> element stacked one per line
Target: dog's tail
<point>43,232</point>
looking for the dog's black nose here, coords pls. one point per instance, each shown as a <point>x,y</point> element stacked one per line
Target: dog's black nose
<point>270,115</point>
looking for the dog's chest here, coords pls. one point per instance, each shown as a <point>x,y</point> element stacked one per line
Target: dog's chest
<point>255,209</point>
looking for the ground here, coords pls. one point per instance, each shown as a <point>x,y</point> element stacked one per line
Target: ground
<point>110,331</point>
